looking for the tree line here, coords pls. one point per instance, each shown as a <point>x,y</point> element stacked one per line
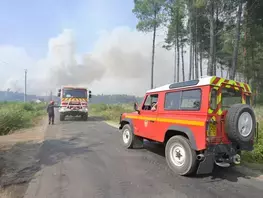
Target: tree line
<point>222,35</point>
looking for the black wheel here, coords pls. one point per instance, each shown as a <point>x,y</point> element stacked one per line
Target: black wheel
<point>130,140</point>
<point>85,117</point>
<point>180,157</point>
<point>62,117</point>
<point>240,123</point>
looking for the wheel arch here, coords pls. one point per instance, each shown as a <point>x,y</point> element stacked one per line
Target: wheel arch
<point>182,131</point>
<point>126,121</point>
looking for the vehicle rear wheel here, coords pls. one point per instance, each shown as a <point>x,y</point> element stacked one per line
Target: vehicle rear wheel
<point>85,117</point>
<point>130,140</point>
<point>240,123</point>
<point>61,117</point>
<point>180,157</point>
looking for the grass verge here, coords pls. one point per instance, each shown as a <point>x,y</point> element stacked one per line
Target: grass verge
<point>111,113</point>
<point>256,156</point>
<point>14,115</point>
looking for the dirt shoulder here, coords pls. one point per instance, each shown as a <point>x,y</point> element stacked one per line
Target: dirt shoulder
<point>19,159</point>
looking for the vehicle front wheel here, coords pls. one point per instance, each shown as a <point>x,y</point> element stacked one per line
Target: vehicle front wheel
<point>130,140</point>
<point>62,117</point>
<point>180,157</point>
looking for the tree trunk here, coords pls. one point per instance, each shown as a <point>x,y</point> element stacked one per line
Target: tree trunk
<point>191,39</point>
<point>201,63</point>
<point>216,39</point>
<point>193,56</point>
<point>177,44</point>
<point>190,64</point>
<point>178,61</point>
<point>212,40</point>
<point>236,45</point>
<point>182,56</point>
<point>195,49</point>
<point>175,62</point>
<point>153,49</point>
<point>221,69</point>
<point>190,60</point>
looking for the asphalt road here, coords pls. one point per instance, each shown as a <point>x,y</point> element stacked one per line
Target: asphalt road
<point>86,159</point>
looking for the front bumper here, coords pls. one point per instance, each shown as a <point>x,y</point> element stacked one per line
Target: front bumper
<point>66,110</point>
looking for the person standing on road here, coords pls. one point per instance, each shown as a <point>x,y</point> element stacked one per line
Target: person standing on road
<point>51,112</point>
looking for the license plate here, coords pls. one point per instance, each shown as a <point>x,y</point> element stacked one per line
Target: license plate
<point>212,130</point>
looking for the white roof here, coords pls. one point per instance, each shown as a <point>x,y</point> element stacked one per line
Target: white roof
<point>202,81</point>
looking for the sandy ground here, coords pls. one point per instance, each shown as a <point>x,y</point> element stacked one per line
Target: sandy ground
<point>18,157</point>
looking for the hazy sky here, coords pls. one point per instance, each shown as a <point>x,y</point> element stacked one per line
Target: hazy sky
<point>93,43</point>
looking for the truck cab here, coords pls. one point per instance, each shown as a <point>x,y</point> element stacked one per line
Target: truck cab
<point>74,102</point>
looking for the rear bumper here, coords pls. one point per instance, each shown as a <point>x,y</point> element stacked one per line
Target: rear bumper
<point>221,153</point>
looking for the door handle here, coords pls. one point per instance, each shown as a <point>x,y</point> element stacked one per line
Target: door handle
<point>151,120</point>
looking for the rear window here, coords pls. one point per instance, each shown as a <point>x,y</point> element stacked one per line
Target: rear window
<point>230,97</point>
<point>191,100</point>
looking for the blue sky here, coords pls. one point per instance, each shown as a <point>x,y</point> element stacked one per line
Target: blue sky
<point>31,23</point>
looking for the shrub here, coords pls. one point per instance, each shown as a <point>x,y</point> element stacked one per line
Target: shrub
<point>15,116</point>
<point>256,156</point>
<point>110,112</point>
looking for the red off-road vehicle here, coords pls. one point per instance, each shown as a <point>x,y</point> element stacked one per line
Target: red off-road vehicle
<point>201,122</point>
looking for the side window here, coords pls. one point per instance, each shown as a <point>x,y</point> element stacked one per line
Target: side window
<point>213,104</point>
<point>191,100</point>
<point>150,102</point>
<point>172,101</point>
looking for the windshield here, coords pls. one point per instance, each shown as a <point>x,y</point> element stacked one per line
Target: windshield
<point>76,93</point>
<point>230,97</point>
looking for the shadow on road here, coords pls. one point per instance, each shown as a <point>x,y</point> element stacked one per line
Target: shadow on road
<point>20,163</point>
<point>230,174</point>
<point>91,118</point>
<point>54,151</point>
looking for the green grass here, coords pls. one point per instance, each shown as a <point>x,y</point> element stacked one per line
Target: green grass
<point>112,113</point>
<point>256,156</point>
<point>15,115</point>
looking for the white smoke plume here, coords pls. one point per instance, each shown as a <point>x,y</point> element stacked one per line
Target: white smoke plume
<point>120,63</point>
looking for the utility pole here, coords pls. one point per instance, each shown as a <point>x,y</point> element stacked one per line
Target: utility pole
<point>25,85</point>
<point>51,95</point>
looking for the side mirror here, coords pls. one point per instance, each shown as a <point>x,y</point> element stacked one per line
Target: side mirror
<point>136,108</point>
<point>90,96</point>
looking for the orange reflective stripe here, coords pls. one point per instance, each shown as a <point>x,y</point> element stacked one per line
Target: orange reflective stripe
<point>167,120</point>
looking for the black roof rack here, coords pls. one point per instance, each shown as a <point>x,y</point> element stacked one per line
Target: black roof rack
<point>184,84</point>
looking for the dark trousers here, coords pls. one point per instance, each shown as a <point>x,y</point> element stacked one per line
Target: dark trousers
<point>51,118</point>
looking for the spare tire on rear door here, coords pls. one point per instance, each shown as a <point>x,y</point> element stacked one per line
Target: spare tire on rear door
<point>240,123</point>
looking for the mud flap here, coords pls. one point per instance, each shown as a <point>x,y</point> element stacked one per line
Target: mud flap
<point>137,142</point>
<point>207,165</point>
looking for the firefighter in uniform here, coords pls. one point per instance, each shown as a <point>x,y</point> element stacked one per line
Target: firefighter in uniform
<point>51,112</point>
